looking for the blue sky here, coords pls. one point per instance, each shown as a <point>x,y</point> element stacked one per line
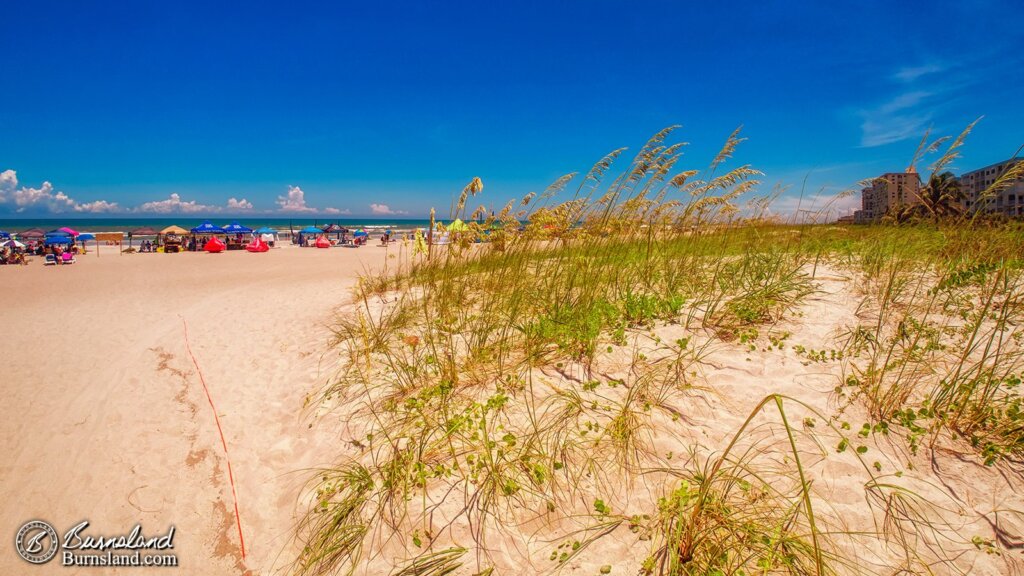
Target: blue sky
<point>369,108</point>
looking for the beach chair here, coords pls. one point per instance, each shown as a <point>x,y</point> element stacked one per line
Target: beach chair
<point>67,258</point>
<point>50,259</point>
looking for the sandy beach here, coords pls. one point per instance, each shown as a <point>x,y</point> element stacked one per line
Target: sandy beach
<point>105,416</point>
<point>140,369</point>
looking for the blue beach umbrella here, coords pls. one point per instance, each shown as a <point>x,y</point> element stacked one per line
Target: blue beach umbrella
<point>86,236</point>
<point>311,230</point>
<point>51,240</point>
<point>5,235</point>
<point>236,228</point>
<point>360,233</point>
<point>266,230</point>
<point>207,228</point>
<point>57,234</point>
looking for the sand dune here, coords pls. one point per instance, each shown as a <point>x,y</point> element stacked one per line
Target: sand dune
<point>106,417</point>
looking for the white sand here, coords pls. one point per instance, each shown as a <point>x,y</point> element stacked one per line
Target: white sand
<point>105,418</point>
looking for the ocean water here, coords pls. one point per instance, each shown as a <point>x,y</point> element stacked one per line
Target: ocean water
<point>15,225</point>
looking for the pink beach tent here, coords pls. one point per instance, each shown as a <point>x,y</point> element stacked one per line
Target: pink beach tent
<point>214,245</point>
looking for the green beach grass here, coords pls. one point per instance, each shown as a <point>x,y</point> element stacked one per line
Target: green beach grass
<point>518,393</point>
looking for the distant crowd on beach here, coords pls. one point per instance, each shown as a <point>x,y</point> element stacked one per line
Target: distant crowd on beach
<point>55,253</point>
<point>56,247</point>
<point>62,245</point>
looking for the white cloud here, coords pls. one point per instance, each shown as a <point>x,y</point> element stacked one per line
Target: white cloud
<point>8,182</point>
<point>174,203</point>
<point>909,74</point>
<point>385,210</point>
<point>898,119</point>
<point>44,198</point>
<point>47,199</point>
<point>295,201</point>
<point>820,207</point>
<point>98,207</point>
<point>242,205</point>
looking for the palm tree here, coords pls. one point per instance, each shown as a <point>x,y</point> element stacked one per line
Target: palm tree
<point>942,197</point>
<point>902,214</point>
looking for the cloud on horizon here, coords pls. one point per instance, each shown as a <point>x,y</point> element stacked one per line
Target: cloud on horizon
<point>385,210</point>
<point>173,204</point>
<point>818,207</point>
<point>45,197</point>
<point>242,205</point>
<point>295,203</point>
<point>47,200</point>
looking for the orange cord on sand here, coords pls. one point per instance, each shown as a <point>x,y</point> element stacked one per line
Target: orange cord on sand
<point>231,476</point>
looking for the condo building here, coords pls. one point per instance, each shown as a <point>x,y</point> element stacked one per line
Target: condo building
<point>866,213</point>
<point>903,189</point>
<point>887,191</point>
<point>1008,201</point>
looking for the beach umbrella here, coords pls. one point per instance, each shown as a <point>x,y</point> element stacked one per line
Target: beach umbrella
<point>311,230</point>
<point>11,243</point>
<point>336,229</point>
<point>68,230</point>
<point>4,235</point>
<point>360,233</point>
<point>266,230</point>
<point>236,228</point>
<point>458,226</point>
<point>86,236</point>
<point>50,241</point>
<point>57,234</point>
<point>174,230</point>
<point>144,231</point>
<point>207,228</point>
<point>32,234</point>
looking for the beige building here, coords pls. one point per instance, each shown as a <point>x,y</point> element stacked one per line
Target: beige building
<point>866,214</point>
<point>886,192</point>
<point>1008,201</point>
